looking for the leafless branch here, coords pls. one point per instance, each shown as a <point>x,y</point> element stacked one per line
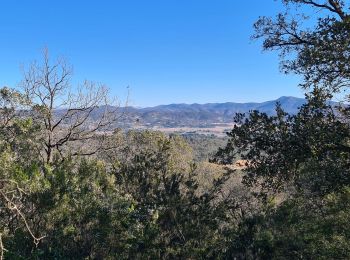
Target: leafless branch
<point>11,194</point>
<point>69,116</point>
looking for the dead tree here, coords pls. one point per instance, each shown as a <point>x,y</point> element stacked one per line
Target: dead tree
<point>74,121</point>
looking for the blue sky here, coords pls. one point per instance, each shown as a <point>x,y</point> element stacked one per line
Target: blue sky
<point>167,51</point>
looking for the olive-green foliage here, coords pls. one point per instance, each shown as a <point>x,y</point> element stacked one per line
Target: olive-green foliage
<point>204,146</point>
<point>158,172</point>
<point>140,202</point>
<point>307,151</point>
<point>145,198</point>
<point>82,213</point>
<point>18,166</point>
<point>297,229</point>
<point>305,157</point>
<point>178,154</point>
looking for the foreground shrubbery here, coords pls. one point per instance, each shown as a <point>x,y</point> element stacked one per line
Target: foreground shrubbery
<point>139,202</point>
<point>146,198</point>
<point>298,165</point>
<point>69,189</point>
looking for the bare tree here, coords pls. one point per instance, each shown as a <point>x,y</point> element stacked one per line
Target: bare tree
<point>74,121</point>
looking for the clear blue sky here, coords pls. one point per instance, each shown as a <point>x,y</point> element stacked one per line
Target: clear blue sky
<point>167,51</point>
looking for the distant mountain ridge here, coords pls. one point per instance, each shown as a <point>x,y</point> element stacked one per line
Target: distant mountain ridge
<point>202,115</point>
<point>290,104</point>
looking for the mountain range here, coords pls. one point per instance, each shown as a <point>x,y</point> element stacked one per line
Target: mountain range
<point>200,115</point>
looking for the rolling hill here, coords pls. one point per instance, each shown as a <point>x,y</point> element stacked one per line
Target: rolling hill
<point>200,115</point>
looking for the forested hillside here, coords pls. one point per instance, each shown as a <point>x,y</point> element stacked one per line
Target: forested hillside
<point>72,186</point>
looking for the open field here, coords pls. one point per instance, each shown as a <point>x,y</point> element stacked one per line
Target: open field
<point>218,130</point>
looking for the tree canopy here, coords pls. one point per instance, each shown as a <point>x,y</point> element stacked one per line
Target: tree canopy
<point>312,38</point>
